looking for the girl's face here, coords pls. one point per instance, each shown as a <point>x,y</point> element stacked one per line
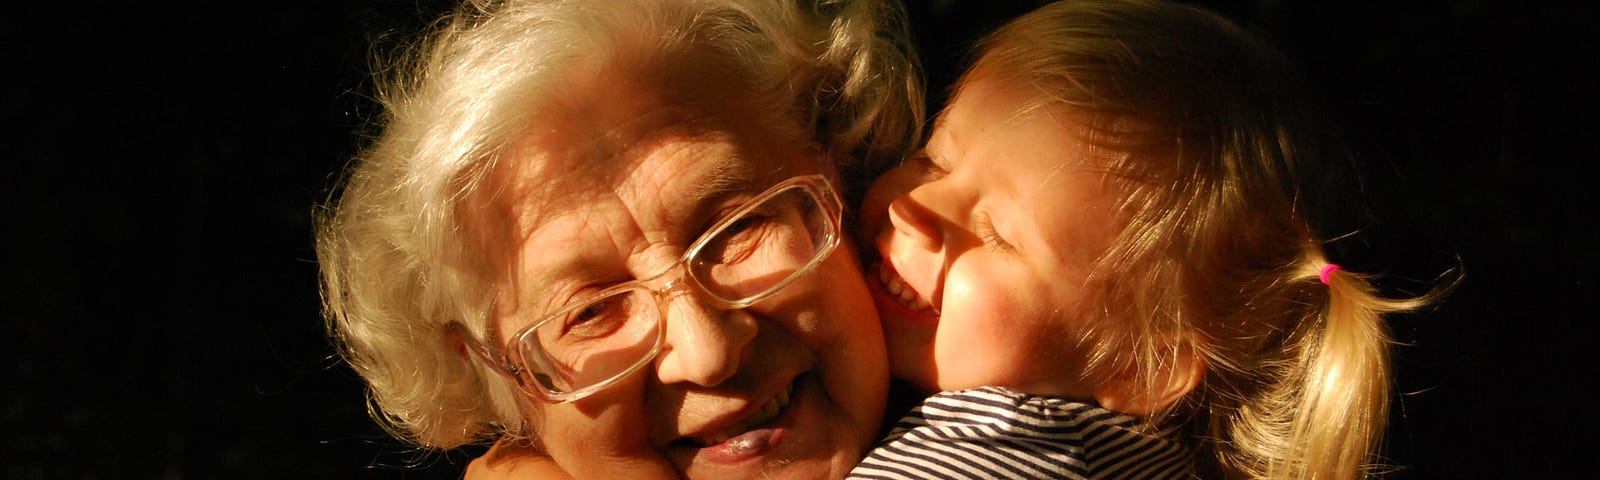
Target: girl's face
<point>987,239</point>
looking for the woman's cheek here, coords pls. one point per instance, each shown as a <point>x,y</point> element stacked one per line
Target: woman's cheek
<point>604,436</point>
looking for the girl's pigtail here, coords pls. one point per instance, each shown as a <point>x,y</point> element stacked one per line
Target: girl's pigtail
<point>1345,387</point>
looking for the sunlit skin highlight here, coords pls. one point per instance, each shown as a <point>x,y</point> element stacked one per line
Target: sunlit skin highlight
<point>996,226</point>
<point>791,387</point>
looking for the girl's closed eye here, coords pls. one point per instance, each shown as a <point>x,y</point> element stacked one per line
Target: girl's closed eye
<point>986,231</point>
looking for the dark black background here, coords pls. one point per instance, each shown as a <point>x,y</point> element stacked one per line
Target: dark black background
<point>161,164</point>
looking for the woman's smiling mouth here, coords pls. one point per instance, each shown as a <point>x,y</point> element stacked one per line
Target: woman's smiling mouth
<point>768,411</point>
<point>758,432</point>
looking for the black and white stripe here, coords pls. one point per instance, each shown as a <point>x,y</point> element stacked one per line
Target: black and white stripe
<point>994,433</point>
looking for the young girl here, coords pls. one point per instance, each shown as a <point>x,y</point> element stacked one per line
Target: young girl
<point>1103,261</point>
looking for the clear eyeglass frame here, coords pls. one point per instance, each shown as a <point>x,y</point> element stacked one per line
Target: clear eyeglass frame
<point>514,360</point>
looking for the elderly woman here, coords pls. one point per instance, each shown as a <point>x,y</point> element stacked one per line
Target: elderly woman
<point>612,230</point>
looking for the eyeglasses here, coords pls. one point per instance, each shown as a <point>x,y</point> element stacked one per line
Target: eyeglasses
<point>590,344</point>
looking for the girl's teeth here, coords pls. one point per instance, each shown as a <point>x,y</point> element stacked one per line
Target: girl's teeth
<point>919,304</point>
<point>896,287</point>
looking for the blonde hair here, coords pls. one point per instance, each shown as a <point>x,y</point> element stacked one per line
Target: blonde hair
<point>395,269</point>
<point>1211,140</point>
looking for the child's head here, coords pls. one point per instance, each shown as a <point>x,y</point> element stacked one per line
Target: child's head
<point>1112,209</point>
<point>990,236</point>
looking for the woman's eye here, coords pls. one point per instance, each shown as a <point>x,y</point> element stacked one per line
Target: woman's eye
<point>595,319</point>
<point>588,312</point>
<point>738,240</point>
<point>739,226</point>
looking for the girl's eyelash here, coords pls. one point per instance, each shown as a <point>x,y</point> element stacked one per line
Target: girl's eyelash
<point>989,234</point>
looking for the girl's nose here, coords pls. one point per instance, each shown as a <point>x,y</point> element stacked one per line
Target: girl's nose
<point>914,220</point>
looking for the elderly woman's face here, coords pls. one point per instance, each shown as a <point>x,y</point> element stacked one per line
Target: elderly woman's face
<point>613,183</point>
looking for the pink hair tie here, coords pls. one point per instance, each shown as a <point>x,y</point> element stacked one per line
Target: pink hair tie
<point>1327,269</point>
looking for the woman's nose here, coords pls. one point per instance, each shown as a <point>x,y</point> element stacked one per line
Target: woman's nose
<point>704,344</point>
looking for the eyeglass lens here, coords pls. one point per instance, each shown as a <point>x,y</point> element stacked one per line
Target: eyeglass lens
<point>749,257</point>
<point>763,248</point>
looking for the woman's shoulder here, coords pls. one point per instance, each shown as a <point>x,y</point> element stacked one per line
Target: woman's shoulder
<point>510,459</point>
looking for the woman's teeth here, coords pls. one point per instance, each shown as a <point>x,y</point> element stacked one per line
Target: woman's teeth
<point>767,412</point>
<point>902,293</point>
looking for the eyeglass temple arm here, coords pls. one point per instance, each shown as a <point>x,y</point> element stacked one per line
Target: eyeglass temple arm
<point>498,362</point>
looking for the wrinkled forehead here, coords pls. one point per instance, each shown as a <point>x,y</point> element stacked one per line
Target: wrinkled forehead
<point>628,150</point>
<point>674,169</point>
<point>637,122</point>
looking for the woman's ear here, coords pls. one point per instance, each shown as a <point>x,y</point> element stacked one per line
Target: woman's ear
<point>453,341</point>
<point>1130,394</point>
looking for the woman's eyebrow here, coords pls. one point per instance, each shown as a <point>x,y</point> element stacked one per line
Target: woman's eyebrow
<point>723,176</point>
<point>728,174</point>
<point>719,177</point>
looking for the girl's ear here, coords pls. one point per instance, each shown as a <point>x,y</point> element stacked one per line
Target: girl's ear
<point>1128,393</point>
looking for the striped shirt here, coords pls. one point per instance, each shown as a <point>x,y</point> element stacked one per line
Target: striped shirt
<point>995,433</point>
